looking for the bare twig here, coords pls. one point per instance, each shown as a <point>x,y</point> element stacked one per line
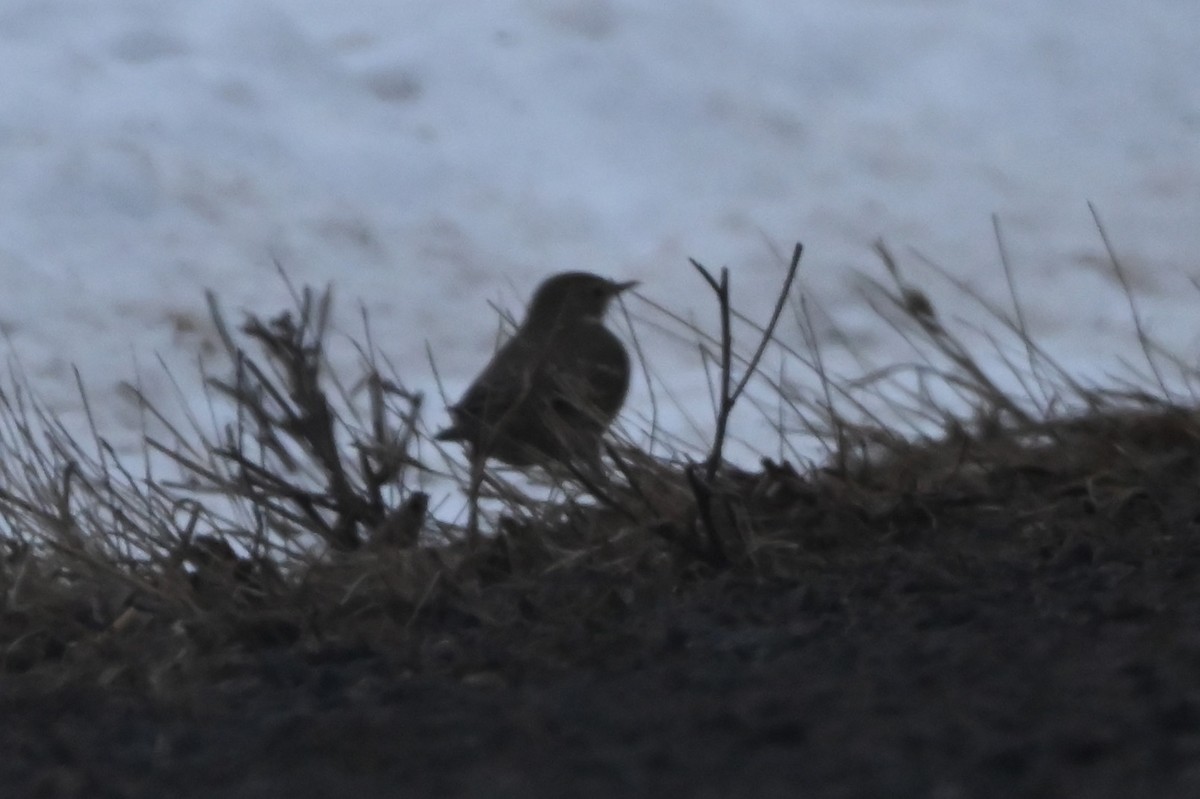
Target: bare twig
<point>728,392</point>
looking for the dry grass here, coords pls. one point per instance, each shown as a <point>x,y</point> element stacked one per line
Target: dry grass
<point>303,521</point>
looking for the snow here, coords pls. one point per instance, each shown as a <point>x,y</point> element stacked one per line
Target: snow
<point>428,159</point>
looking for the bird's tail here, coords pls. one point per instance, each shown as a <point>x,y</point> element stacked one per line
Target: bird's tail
<point>451,433</point>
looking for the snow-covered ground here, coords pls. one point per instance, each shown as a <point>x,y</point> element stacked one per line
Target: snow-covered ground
<point>427,158</point>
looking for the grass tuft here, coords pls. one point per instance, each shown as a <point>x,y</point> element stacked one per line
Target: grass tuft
<point>302,515</point>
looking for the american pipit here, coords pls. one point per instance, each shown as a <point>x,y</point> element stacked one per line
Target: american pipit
<point>551,390</point>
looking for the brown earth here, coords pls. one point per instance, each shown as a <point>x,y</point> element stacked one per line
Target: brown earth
<point>1017,631</point>
<point>910,670</point>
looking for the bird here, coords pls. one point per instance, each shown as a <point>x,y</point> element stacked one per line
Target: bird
<point>550,391</point>
<point>555,386</point>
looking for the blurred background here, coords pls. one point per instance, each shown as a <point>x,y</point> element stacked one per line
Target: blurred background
<point>433,160</point>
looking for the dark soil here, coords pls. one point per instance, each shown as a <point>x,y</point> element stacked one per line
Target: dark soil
<point>975,619</point>
<point>967,662</point>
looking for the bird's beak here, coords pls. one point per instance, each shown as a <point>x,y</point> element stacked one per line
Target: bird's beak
<point>618,288</point>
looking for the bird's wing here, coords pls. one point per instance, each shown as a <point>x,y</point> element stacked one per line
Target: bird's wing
<point>593,385</point>
<point>502,386</point>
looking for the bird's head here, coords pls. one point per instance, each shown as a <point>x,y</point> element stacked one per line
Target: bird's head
<point>572,296</point>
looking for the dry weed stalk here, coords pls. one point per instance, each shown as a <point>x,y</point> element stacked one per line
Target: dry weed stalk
<point>723,538</point>
<point>302,466</point>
